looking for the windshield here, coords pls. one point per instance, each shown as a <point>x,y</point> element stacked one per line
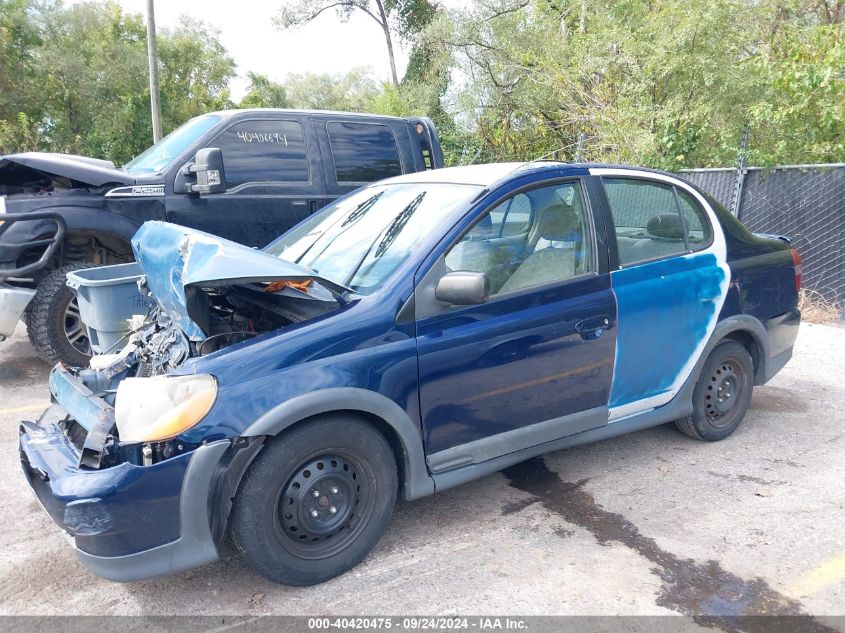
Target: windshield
<point>359,240</point>
<point>156,158</point>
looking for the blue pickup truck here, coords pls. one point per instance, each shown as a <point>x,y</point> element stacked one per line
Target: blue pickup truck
<point>414,335</point>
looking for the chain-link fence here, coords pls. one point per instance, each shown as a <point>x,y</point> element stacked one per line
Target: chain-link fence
<point>806,203</point>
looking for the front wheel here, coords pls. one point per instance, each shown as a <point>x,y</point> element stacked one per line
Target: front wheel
<point>53,322</point>
<point>722,394</point>
<point>316,500</point>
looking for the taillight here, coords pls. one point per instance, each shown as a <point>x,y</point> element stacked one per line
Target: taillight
<point>796,260</point>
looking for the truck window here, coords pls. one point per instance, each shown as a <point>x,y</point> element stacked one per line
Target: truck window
<point>363,152</point>
<point>264,151</point>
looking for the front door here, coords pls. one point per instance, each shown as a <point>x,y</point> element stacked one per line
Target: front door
<point>273,177</point>
<point>534,362</point>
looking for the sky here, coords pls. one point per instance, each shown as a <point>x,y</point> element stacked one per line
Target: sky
<point>247,31</point>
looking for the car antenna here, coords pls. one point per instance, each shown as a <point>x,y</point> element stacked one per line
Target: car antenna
<point>544,157</point>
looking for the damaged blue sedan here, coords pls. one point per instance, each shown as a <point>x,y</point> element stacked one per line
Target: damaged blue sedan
<point>417,334</point>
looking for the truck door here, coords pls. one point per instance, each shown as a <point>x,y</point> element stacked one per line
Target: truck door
<point>274,179</point>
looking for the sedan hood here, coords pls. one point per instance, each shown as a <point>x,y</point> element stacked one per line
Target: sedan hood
<point>175,257</point>
<point>89,171</point>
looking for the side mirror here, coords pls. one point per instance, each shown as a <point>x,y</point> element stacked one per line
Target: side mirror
<point>211,177</point>
<point>463,288</point>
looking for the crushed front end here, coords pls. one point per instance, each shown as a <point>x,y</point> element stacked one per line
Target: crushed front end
<point>128,520</point>
<point>109,460</point>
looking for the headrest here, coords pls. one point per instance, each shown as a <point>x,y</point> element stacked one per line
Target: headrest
<point>667,226</point>
<point>483,229</point>
<point>557,221</point>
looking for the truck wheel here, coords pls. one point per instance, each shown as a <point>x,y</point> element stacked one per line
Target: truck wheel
<point>315,501</point>
<point>722,394</point>
<point>53,323</point>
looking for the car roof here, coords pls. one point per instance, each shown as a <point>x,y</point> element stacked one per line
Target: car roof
<point>486,175</point>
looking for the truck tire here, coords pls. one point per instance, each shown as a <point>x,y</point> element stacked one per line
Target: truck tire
<point>722,394</point>
<point>316,500</point>
<point>53,322</point>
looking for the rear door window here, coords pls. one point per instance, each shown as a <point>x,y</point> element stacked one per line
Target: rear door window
<point>262,151</point>
<point>363,152</point>
<point>645,215</point>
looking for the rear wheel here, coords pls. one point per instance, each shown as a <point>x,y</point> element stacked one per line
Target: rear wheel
<point>315,501</point>
<point>53,322</point>
<point>722,394</point>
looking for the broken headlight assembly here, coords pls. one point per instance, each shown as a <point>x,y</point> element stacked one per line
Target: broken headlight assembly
<point>159,408</point>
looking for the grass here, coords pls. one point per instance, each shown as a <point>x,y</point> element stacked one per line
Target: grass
<point>816,308</point>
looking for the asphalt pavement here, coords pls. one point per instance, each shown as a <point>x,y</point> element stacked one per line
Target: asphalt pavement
<point>649,523</point>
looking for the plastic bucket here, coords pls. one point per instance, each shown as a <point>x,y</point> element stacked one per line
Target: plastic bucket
<point>108,296</point>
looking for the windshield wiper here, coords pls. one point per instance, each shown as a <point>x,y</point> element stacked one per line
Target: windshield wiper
<point>390,234</point>
<point>354,215</point>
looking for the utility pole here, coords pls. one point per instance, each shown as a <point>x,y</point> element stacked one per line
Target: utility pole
<point>152,56</point>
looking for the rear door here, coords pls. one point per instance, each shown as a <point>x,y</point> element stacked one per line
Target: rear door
<point>534,362</point>
<point>274,179</point>
<point>670,279</point>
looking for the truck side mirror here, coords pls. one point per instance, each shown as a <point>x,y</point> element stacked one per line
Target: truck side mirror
<point>463,288</point>
<point>208,166</point>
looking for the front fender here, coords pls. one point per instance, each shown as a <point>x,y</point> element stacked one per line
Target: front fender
<point>18,236</point>
<point>418,483</point>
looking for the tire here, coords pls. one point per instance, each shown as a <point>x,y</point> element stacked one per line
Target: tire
<point>722,394</point>
<point>315,501</point>
<point>53,322</point>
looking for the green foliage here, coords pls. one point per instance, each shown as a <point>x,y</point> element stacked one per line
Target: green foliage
<point>354,90</point>
<point>802,118</point>
<point>263,93</point>
<point>80,83</point>
<point>667,83</point>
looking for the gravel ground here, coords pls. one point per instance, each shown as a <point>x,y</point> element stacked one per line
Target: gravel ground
<point>650,523</point>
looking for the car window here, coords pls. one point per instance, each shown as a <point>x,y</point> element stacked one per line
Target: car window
<point>548,240</point>
<point>516,215</point>
<point>263,151</point>
<point>645,215</point>
<point>363,152</point>
<point>698,225</point>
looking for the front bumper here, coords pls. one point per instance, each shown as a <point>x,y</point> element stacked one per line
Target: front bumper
<point>13,302</point>
<point>127,522</point>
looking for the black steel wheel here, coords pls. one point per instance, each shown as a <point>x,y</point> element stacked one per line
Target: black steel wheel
<point>722,394</point>
<point>315,500</point>
<point>323,500</point>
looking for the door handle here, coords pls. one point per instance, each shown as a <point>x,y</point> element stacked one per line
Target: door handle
<point>591,329</point>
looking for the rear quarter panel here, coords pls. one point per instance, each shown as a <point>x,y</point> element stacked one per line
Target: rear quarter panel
<point>762,272</point>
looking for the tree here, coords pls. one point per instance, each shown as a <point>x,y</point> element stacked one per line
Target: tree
<point>263,93</point>
<point>80,78</point>
<point>667,84</point>
<point>406,18</point>
<point>353,91</point>
<point>302,12</point>
<point>195,71</point>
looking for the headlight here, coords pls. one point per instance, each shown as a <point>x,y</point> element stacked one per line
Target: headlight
<point>162,407</point>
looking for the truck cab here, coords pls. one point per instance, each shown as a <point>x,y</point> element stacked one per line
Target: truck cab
<point>245,175</point>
